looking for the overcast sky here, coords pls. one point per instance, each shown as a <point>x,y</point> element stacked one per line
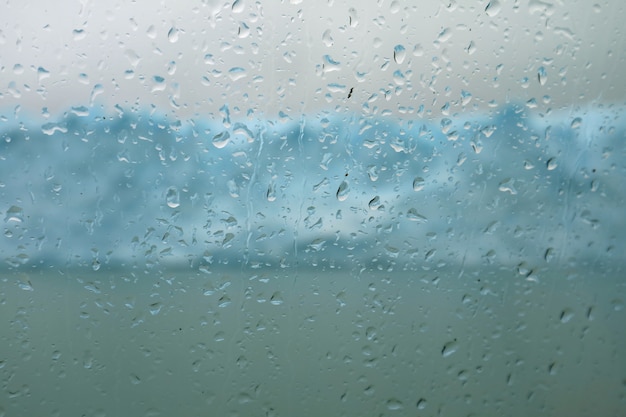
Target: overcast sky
<point>260,58</point>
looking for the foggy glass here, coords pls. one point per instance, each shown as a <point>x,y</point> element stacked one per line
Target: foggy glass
<point>312,208</point>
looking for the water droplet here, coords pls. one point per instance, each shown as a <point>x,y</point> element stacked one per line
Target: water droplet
<point>418,184</point>
<point>134,379</point>
<point>551,164</point>
<point>542,75</point>
<point>353,19</point>
<point>14,214</point>
<point>233,188</point>
<point>96,91</point>
<point>224,301</point>
<point>221,139</point>
<point>236,73</point>
<point>237,6</point>
<point>159,84</point>
<point>399,53</point>
<point>172,197</point>
<point>566,315</point>
<point>471,48</point>
<point>493,8</point>
<point>243,31</point>
<point>576,123</point>
<point>327,38</point>
<point>317,245</point>
<point>444,35</point>
<point>394,7</point>
<point>540,6</point>
<point>271,192</point>
<point>449,348</point>
<point>87,360</point>
<point>330,64</point>
<point>79,34</point>
<point>421,404</point>
<point>372,172</point>
<point>172,35</point>
<point>151,32</point>
<point>398,77</point>
<point>466,97</point>
<point>418,50</point>
<point>508,185</point>
<point>413,215</point>
<point>25,283</point>
<point>342,191</point>
<point>276,298</point>
<point>155,308</point>
<point>374,203</point>
<point>394,404</point>
<point>50,128</point>
<point>42,74</point>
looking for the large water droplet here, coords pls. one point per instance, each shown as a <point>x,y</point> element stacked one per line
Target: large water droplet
<point>95,91</point>
<point>221,139</point>
<point>449,348</point>
<point>394,404</point>
<point>342,191</point>
<point>42,74</point>
<point>374,203</point>
<point>237,6</point>
<point>493,8</point>
<point>14,214</point>
<point>399,53</point>
<point>413,215</point>
<point>508,186</point>
<point>277,298</point>
<point>236,73</point>
<point>566,315</point>
<point>421,404</point>
<point>551,164</point>
<point>418,184</point>
<point>327,38</point>
<point>466,97</point>
<point>172,197</point>
<point>155,308</point>
<point>172,35</point>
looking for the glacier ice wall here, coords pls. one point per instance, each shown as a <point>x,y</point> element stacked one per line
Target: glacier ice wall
<point>139,189</point>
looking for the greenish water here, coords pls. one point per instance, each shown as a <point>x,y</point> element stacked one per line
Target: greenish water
<point>300,343</point>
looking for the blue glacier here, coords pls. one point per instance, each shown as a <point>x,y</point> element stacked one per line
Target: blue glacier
<point>135,189</point>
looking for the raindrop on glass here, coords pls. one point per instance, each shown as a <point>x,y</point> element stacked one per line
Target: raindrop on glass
<point>271,192</point>
<point>14,214</point>
<point>221,139</point>
<point>418,184</point>
<point>172,197</point>
<point>399,53</point>
<point>493,8</point>
<point>449,348</point>
<point>394,404</point>
<point>342,191</point>
<point>172,35</point>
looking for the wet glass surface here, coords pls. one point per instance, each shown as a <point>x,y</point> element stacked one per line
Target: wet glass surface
<point>312,208</point>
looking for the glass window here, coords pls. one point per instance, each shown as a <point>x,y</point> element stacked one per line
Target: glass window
<point>312,208</point>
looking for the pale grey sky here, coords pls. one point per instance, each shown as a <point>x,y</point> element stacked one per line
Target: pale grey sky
<point>260,58</point>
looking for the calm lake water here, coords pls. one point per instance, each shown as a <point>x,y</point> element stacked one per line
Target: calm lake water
<point>246,342</point>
